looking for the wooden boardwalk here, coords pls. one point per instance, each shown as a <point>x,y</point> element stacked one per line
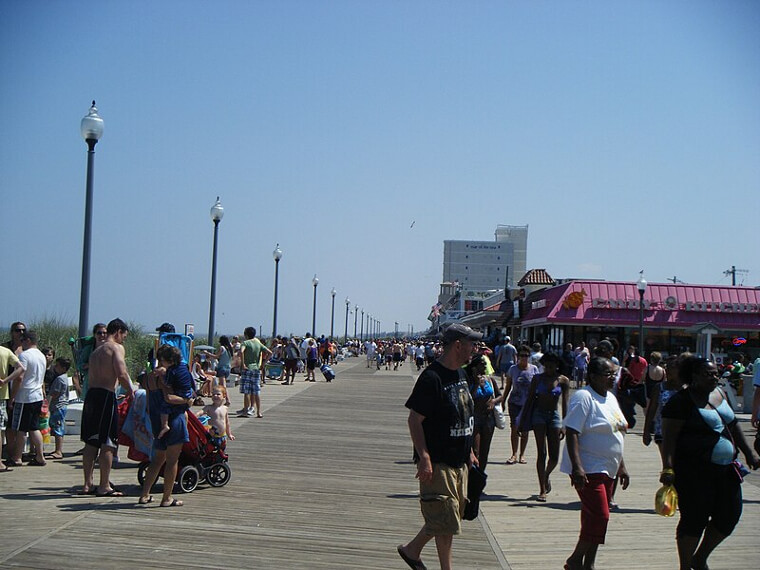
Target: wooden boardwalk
<point>324,481</point>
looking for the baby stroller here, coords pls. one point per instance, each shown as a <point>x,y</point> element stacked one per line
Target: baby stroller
<point>200,461</point>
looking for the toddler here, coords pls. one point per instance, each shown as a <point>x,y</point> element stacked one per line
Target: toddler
<point>58,400</point>
<point>217,418</point>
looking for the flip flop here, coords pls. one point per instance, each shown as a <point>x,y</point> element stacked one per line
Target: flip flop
<point>35,463</point>
<point>541,499</point>
<point>54,456</point>
<point>146,501</point>
<point>110,493</point>
<point>411,562</point>
<point>9,463</point>
<point>511,461</point>
<point>82,492</point>
<point>523,461</point>
<point>5,469</point>
<point>174,503</point>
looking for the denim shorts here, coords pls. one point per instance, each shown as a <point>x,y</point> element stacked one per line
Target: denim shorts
<point>549,418</point>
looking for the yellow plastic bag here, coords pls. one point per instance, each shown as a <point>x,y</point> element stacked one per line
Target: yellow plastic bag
<point>666,501</point>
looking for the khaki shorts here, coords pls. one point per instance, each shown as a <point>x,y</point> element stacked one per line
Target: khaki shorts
<point>443,500</point>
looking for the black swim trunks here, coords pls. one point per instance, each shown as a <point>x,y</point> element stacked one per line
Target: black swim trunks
<point>100,424</point>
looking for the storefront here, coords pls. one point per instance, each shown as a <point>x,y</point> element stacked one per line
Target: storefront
<point>676,317</point>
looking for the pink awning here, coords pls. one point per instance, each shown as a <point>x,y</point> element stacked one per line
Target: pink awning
<point>610,303</point>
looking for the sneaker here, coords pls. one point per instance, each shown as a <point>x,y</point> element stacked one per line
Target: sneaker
<point>241,412</point>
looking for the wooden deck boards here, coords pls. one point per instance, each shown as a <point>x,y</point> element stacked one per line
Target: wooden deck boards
<point>324,481</point>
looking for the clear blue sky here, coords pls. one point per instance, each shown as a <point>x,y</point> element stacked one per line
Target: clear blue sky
<point>626,134</point>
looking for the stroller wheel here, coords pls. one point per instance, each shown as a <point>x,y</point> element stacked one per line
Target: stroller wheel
<point>219,474</point>
<point>141,470</point>
<point>188,478</point>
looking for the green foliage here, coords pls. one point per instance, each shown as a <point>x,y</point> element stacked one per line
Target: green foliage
<point>56,334</point>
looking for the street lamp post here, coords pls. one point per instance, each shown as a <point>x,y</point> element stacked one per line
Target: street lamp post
<point>277,255</point>
<point>345,336</point>
<point>356,314</point>
<point>641,285</point>
<point>332,313</point>
<point>314,282</point>
<point>361,331</point>
<point>217,213</point>
<point>91,128</point>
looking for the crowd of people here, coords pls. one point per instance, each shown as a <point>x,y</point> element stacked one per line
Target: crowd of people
<point>454,406</point>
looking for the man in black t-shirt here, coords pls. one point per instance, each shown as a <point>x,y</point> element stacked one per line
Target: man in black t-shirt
<point>441,425</point>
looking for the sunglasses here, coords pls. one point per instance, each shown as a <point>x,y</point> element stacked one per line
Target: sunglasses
<point>19,330</point>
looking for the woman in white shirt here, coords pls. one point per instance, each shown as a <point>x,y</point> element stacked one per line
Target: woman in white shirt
<point>593,457</point>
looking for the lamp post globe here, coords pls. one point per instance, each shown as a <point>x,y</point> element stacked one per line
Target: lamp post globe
<point>641,285</point>
<point>314,282</point>
<point>216,213</point>
<point>91,128</point>
<point>332,314</point>
<point>277,256</point>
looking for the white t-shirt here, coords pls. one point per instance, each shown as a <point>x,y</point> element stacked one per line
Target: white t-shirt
<point>419,352</point>
<point>34,364</point>
<point>601,426</point>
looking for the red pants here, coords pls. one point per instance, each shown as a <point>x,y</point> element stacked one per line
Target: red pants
<point>595,507</point>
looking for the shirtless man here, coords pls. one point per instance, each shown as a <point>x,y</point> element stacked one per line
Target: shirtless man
<point>99,417</point>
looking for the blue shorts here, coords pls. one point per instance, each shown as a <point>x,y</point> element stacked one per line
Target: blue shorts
<point>177,433</point>
<point>250,382</point>
<point>58,422</point>
<point>549,418</point>
<point>223,372</point>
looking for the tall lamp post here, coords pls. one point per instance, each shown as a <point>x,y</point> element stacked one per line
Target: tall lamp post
<point>361,331</point>
<point>356,314</point>
<point>332,314</point>
<point>345,336</point>
<point>217,213</point>
<point>91,128</point>
<point>277,256</point>
<point>641,285</point>
<point>314,282</point>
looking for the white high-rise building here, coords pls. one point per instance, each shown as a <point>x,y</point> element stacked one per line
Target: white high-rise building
<point>487,265</point>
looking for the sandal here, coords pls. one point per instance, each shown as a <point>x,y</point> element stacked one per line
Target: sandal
<point>140,501</point>
<point>411,562</point>
<point>35,463</point>
<point>110,493</point>
<point>523,461</point>
<point>174,503</point>
<point>512,460</point>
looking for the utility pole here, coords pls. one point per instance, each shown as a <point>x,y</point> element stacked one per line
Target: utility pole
<point>674,280</point>
<point>732,272</point>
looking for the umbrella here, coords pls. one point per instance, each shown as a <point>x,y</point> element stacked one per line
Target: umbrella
<point>203,347</point>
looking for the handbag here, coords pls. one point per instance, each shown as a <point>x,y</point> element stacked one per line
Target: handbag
<point>476,482</point>
<point>666,501</point>
<point>498,416</point>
